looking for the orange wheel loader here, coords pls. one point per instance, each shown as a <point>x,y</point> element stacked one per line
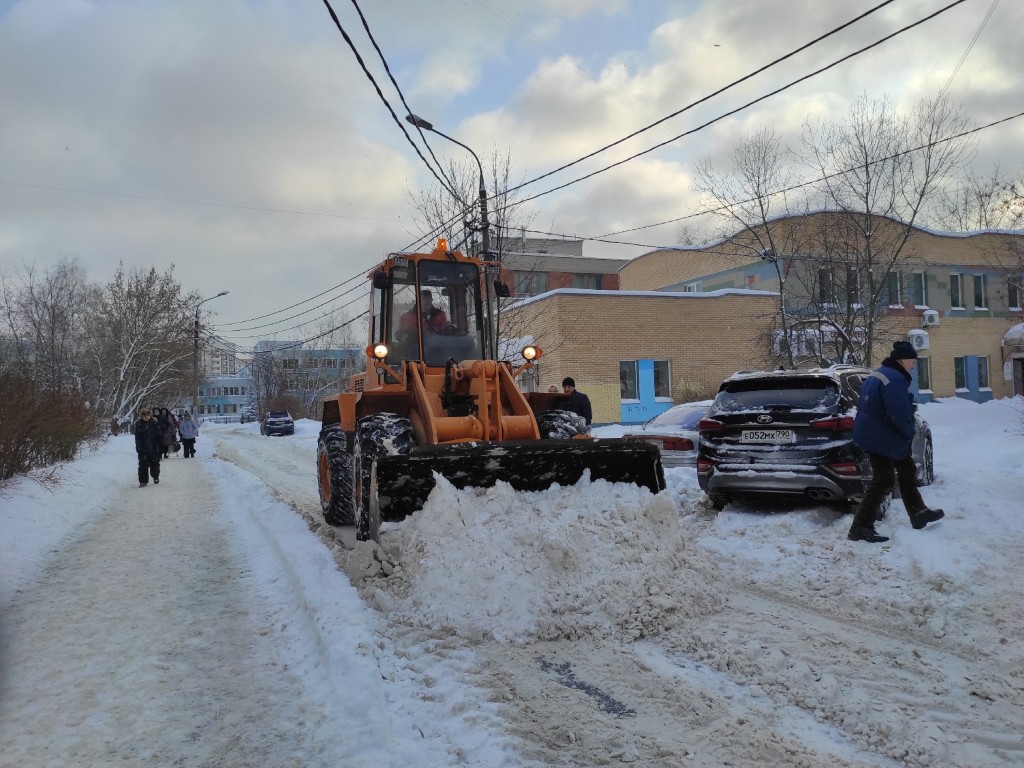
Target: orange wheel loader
<point>434,398</point>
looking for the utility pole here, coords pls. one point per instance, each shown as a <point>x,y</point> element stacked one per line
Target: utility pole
<point>195,355</point>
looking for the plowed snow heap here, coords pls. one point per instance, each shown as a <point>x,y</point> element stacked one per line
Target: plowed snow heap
<point>435,398</point>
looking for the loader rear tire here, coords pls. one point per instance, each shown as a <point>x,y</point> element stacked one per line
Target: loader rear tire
<point>561,425</point>
<point>334,475</point>
<point>382,434</point>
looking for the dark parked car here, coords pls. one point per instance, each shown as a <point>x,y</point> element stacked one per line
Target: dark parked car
<point>788,434</point>
<point>674,432</point>
<point>277,423</point>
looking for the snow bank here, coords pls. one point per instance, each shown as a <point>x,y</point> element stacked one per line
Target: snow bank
<point>592,560</point>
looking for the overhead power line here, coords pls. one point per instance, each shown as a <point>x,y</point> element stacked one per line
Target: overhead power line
<point>709,96</point>
<point>759,99</point>
<point>815,180</point>
<point>383,98</point>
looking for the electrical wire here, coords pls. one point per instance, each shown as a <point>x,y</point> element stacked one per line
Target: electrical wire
<point>759,99</point>
<point>408,109</point>
<point>817,180</point>
<point>383,98</point>
<point>709,96</point>
<point>970,46</point>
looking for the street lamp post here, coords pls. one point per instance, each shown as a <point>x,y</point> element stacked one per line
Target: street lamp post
<point>485,228</point>
<point>195,355</point>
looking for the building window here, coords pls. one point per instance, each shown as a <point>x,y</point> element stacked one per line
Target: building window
<point>589,282</point>
<point>529,283</point>
<point>290,364</point>
<point>692,287</point>
<point>980,295</point>
<point>983,373</point>
<point>662,379</point>
<point>919,289</point>
<point>312,362</point>
<point>893,294</point>
<point>960,372</point>
<point>331,362</point>
<point>627,380</point>
<point>1013,292</point>
<point>750,281</point>
<point>824,285</point>
<point>924,374</point>
<point>852,285</point>
<point>956,294</point>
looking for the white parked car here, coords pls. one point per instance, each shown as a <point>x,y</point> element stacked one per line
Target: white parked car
<point>675,432</point>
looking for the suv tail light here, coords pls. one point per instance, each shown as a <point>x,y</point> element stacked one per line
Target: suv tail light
<point>704,466</point>
<point>710,425</point>
<point>680,444</point>
<point>846,468</point>
<point>833,422</point>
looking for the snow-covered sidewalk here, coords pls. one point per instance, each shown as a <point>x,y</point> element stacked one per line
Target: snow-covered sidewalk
<point>185,626</point>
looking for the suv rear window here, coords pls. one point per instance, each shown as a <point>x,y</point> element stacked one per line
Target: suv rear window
<point>805,394</point>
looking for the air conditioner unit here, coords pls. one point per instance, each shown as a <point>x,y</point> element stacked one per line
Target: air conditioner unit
<point>929,317</point>
<point>918,339</point>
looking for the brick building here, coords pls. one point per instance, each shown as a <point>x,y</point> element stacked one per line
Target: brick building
<point>954,295</point>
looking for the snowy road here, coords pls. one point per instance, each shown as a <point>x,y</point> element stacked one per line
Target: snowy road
<point>585,626</point>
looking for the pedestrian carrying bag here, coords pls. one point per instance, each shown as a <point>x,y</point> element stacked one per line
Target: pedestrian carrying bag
<point>177,446</point>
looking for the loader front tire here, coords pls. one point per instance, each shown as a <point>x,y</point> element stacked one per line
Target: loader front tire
<point>561,425</point>
<point>334,475</point>
<point>381,434</point>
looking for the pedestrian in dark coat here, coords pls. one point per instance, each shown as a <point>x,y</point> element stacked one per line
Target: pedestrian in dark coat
<point>576,401</point>
<point>884,429</point>
<point>189,431</point>
<point>168,431</point>
<point>148,447</point>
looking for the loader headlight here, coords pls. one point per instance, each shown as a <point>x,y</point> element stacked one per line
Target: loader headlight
<point>530,353</point>
<point>377,351</point>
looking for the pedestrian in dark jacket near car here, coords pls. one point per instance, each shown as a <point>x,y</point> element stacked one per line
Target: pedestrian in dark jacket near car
<point>575,401</point>
<point>147,447</point>
<point>189,431</point>
<point>168,431</point>
<point>884,429</point>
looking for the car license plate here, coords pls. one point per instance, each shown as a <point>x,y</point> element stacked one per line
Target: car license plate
<point>767,436</point>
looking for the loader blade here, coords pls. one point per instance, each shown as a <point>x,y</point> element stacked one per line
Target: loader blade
<point>404,482</point>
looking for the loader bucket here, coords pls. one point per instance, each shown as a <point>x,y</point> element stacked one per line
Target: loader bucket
<point>404,482</point>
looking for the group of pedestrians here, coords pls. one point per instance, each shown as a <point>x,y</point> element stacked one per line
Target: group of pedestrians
<point>156,438</point>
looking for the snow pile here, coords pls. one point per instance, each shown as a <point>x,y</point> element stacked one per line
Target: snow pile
<point>596,559</point>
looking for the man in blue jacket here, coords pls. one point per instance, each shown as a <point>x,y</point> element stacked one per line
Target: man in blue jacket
<point>884,429</point>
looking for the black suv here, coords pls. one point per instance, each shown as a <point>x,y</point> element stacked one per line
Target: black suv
<point>789,434</point>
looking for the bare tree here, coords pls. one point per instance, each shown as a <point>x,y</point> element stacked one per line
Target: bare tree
<point>879,170</point>
<point>751,201</point>
<point>44,318</point>
<point>981,202</point>
<point>139,342</point>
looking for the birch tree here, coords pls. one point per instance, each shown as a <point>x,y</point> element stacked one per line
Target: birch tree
<point>751,202</point>
<point>880,170</point>
<point>139,342</point>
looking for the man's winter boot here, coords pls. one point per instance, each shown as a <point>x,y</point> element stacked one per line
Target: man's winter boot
<point>866,534</point>
<point>142,485</point>
<point>920,519</point>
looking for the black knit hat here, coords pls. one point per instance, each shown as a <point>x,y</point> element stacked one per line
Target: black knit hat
<point>569,381</point>
<point>903,350</point>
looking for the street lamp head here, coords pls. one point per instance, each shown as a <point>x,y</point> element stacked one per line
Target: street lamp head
<point>419,122</point>
<point>222,293</point>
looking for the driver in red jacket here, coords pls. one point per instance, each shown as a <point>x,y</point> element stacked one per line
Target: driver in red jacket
<point>432,318</point>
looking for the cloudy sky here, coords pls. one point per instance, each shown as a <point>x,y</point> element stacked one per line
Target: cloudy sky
<point>242,143</point>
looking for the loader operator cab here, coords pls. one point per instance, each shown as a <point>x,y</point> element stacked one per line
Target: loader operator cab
<point>433,312</point>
